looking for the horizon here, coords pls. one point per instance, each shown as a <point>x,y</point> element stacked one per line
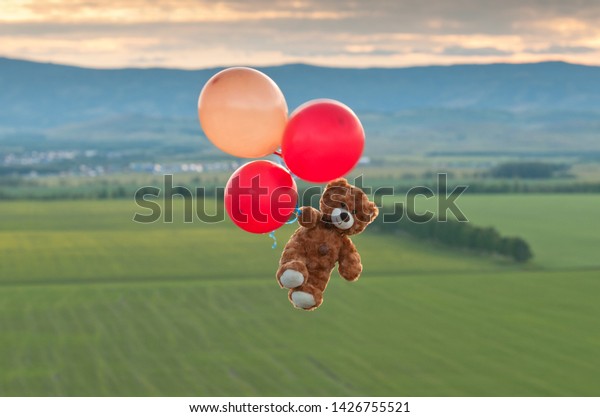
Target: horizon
<point>298,63</point>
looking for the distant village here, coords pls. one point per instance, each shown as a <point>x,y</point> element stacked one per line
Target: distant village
<point>93,163</point>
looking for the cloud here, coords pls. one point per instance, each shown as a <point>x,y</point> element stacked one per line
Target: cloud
<point>195,33</point>
<point>462,51</point>
<point>559,49</point>
<point>137,11</point>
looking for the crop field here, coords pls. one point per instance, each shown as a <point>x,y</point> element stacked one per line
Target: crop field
<point>92,303</point>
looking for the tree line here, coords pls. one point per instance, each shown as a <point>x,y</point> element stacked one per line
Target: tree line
<point>460,235</point>
<point>518,186</point>
<point>16,188</point>
<point>528,169</point>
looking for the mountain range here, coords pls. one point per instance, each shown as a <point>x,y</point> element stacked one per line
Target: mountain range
<point>544,108</point>
<point>40,95</point>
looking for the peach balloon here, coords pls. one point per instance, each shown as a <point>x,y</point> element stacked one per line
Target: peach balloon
<point>243,112</point>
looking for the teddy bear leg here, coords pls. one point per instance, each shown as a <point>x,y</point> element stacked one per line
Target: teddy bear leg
<point>292,274</point>
<point>306,297</point>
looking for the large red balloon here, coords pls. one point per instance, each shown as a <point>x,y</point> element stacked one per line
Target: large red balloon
<point>260,196</point>
<point>323,140</point>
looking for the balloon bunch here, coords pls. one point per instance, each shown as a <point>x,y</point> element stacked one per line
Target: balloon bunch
<point>244,113</point>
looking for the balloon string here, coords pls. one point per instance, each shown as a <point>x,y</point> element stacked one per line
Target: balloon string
<point>297,210</point>
<point>297,213</point>
<point>272,236</point>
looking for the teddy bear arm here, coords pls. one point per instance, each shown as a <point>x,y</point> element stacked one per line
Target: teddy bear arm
<point>309,217</point>
<point>349,263</point>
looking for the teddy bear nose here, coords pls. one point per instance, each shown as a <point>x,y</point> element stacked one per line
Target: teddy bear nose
<point>342,219</point>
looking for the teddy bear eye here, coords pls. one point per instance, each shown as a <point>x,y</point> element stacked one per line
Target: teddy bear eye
<point>344,205</point>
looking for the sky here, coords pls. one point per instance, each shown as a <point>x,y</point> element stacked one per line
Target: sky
<point>377,33</point>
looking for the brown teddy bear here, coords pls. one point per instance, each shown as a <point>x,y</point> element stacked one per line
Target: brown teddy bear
<point>322,240</point>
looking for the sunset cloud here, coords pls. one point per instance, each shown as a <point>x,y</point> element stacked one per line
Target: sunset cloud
<point>192,34</point>
<point>138,11</point>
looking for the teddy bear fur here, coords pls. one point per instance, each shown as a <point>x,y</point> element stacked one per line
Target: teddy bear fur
<point>313,250</point>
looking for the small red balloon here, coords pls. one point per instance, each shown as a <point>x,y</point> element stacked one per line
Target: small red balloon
<point>260,196</point>
<point>323,140</point>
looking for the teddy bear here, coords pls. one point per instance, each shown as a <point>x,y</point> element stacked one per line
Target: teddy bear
<point>323,239</point>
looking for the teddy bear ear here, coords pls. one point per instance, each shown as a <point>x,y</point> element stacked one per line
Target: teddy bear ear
<point>340,182</point>
<point>374,210</point>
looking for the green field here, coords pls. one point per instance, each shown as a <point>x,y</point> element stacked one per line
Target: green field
<point>92,303</point>
<point>563,229</point>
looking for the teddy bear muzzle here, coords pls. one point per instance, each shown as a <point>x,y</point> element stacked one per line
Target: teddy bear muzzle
<point>342,219</point>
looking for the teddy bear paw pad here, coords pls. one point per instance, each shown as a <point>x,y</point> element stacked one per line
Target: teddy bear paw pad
<point>303,299</point>
<point>291,278</point>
